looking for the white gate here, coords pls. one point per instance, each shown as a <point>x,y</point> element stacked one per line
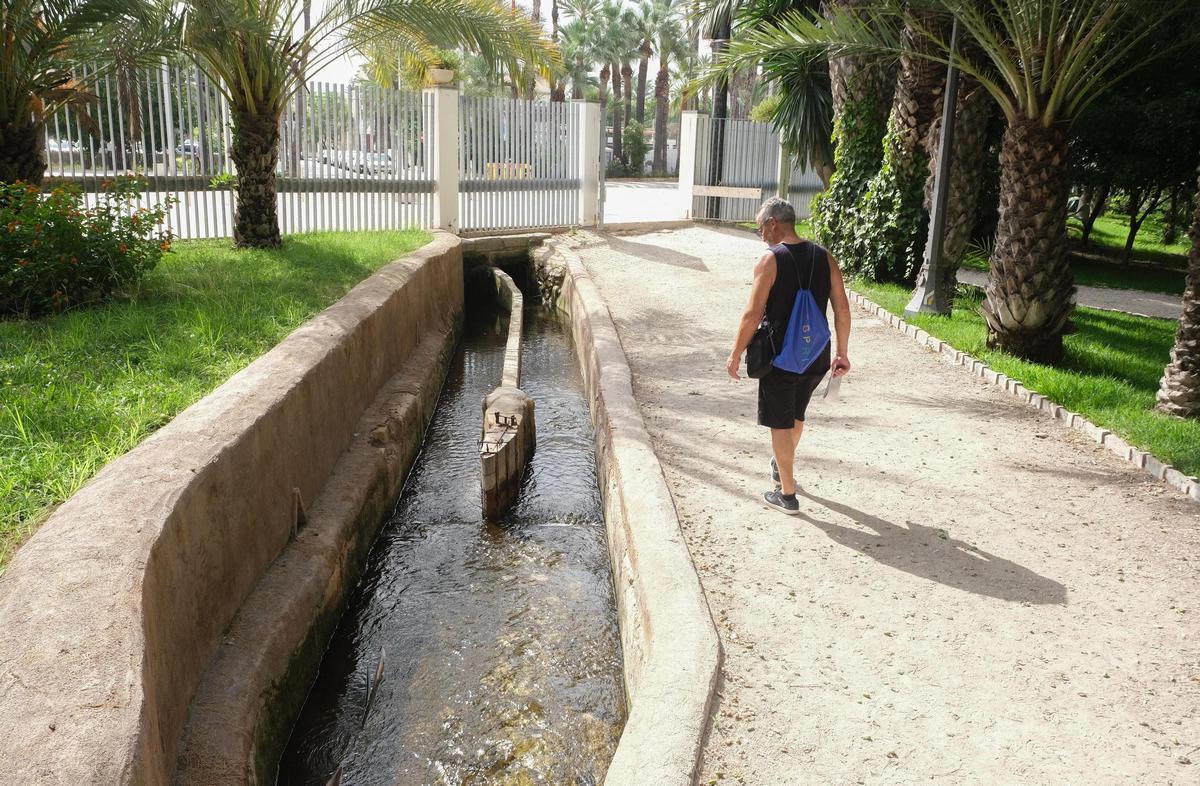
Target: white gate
<point>736,168</point>
<point>518,163</point>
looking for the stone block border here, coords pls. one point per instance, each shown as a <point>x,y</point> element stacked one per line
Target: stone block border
<point>1122,449</point>
<point>671,650</point>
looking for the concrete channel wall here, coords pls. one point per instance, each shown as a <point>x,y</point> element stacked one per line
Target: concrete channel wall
<point>508,414</point>
<point>671,650</point>
<point>134,594</point>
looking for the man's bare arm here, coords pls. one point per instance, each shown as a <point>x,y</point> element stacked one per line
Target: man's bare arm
<point>841,317</point>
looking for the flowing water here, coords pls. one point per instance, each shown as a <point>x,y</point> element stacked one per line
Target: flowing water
<point>503,662</point>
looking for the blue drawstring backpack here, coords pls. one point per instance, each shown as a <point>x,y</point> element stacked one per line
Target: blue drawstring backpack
<point>808,331</point>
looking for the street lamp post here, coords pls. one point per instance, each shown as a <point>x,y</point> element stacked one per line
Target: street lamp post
<point>927,298</point>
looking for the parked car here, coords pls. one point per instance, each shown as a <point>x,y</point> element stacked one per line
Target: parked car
<point>374,164</point>
<point>340,159</point>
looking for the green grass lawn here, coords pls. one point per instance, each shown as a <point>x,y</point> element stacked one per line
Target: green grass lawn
<point>1113,366</point>
<point>1094,273</point>
<point>81,388</point>
<point>1165,273</point>
<point>1110,230</point>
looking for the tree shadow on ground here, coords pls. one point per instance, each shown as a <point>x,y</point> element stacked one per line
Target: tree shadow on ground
<point>658,254</point>
<point>930,553</point>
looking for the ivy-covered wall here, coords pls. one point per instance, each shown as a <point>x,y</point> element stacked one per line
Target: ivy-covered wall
<point>857,132</point>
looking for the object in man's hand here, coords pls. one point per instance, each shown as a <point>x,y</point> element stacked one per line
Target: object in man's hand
<point>833,389</point>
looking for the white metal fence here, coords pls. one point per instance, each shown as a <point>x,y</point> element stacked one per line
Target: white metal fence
<point>351,156</point>
<point>749,160</point>
<point>518,163</point>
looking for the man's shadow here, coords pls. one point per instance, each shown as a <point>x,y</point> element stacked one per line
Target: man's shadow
<point>931,554</point>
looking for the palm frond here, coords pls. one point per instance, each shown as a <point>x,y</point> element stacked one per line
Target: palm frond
<point>259,53</point>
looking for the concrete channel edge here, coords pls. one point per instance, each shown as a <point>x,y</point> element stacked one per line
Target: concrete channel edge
<point>672,652</point>
<point>1147,462</point>
<point>139,585</point>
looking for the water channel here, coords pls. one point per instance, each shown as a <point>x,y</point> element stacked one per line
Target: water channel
<point>503,662</point>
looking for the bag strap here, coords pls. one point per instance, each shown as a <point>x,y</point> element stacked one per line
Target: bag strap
<point>812,262</point>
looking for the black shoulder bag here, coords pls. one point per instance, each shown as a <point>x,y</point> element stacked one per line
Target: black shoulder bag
<point>761,350</point>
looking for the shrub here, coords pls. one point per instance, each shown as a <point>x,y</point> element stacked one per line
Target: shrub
<point>764,111</point>
<point>56,253</point>
<point>635,147</point>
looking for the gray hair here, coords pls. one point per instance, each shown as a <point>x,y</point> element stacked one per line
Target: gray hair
<point>779,209</point>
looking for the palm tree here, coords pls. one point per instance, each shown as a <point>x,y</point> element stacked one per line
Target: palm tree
<point>1179,391</point>
<point>46,43</point>
<point>801,109</point>
<point>558,87</point>
<point>646,19</point>
<point>669,42</point>
<point>575,44</point>
<point>254,52</point>
<point>1043,62</point>
<point>614,45</point>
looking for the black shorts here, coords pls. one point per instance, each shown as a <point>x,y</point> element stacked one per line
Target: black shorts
<point>783,397</point>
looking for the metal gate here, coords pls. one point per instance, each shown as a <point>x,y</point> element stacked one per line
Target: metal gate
<point>518,163</point>
<point>737,168</point>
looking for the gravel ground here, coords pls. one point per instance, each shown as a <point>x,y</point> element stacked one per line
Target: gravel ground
<point>1131,301</point>
<point>973,594</point>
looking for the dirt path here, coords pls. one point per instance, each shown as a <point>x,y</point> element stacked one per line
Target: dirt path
<point>1131,301</point>
<point>973,594</point>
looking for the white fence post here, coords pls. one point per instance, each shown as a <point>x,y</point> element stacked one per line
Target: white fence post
<point>589,162</point>
<point>445,158</point>
<point>689,124</point>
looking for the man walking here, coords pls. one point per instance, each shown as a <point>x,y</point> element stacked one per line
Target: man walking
<point>790,265</point>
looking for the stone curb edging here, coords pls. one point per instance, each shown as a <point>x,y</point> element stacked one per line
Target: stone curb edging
<point>672,653</point>
<point>1141,459</point>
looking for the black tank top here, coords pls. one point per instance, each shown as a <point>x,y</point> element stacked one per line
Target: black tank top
<point>806,267</point>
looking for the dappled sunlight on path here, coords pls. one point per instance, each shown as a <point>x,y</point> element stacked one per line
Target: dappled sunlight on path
<point>971,593</point>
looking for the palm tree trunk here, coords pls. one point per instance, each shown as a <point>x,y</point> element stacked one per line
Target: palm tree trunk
<point>22,152</point>
<point>1030,292</point>
<point>720,112</point>
<point>255,152</point>
<point>605,71</point>
<point>971,118</point>
<point>1096,201</point>
<point>662,86</point>
<point>1179,391</point>
<point>627,78</point>
<point>643,65</point>
<point>618,125</point>
<point>857,76</point>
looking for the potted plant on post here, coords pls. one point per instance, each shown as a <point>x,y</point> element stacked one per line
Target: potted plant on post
<point>441,66</point>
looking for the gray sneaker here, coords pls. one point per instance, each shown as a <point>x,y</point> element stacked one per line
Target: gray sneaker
<point>774,470</point>
<point>787,504</point>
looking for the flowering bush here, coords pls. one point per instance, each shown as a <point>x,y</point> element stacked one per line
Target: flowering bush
<point>56,253</point>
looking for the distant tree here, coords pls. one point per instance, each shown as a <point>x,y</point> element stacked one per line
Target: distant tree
<point>670,46</point>
<point>1142,139</point>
